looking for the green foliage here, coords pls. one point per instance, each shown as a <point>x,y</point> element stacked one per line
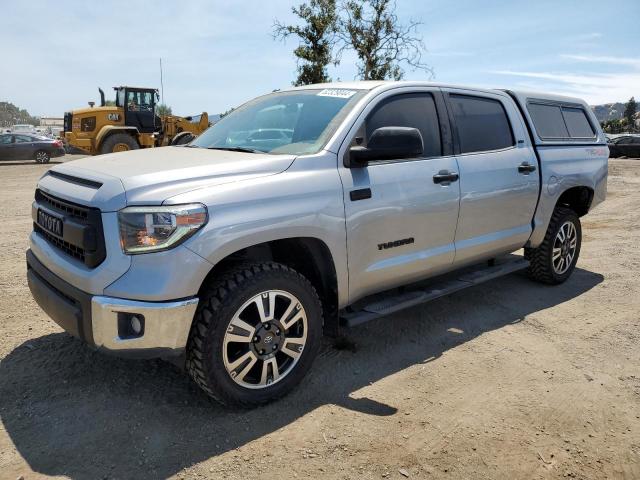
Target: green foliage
<point>12,115</point>
<point>369,28</point>
<point>630,111</point>
<point>162,109</point>
<point>110,103</point>
<point>613,126</point>
<point>373,31</point>
<point>316,35</point>
<point>227,112</point>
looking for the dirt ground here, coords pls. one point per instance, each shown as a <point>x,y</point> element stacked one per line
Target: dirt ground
<point>507,380</point>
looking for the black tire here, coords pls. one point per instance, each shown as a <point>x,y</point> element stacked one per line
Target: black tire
<point>182,138</point>
<point>541,266</point>
<point>42,156</point>
<point>116,139</point>
<point>222,299</point>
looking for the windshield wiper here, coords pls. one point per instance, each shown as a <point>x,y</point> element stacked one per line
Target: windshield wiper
<point>237,149</point>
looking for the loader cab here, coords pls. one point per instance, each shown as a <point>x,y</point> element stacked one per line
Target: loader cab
<point>139,105</point>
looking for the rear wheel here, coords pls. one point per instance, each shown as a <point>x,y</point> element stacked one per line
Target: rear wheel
<point>119,142</point>
<point>255,335</point>
<point>555,259</point>
<point>42,156</point>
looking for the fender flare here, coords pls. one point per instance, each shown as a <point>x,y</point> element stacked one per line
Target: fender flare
<point>109,129</point>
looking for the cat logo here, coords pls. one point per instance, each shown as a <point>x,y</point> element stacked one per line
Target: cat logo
<point>113,117</point>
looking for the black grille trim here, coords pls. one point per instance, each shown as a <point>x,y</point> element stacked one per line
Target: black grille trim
<point>90,247</point>
<point>71,250</point>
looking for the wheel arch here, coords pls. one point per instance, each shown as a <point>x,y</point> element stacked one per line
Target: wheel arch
<point>577,198</point>
<point>309,256</point>
<point>108,130</point>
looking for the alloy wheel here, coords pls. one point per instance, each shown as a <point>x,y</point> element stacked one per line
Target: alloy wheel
<point>564,247</point>
<point>265,339</point>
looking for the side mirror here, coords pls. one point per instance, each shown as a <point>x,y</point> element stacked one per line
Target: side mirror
<point>386,143</point>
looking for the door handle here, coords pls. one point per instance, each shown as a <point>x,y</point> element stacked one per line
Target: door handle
<point>445,177</point>
<point>526,168</point>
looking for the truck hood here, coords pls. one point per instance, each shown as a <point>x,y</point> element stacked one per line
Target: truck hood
<point>150,176</point>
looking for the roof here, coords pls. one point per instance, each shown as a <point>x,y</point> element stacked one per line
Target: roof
<point>136,88</point>
<point>371,84</point>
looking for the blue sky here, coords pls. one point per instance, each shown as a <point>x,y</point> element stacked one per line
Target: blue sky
<point>217,54</point>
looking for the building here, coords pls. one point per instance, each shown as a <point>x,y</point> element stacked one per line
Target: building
<point>51,122</point>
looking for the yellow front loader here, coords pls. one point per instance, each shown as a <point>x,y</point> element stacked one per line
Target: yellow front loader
<point>130,124</point>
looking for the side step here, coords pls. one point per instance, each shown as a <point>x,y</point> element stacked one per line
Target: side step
<point>469,278</point>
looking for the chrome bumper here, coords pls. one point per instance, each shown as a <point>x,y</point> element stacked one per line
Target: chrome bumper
<point>166,325</point>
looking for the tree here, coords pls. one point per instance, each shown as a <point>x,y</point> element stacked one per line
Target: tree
<point>372,29</point>
<point>162,109</point>
<point>110,103</point>
<point>316,36</point>
<point>629,112</point>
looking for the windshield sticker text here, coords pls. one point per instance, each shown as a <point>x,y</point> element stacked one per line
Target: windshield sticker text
<point>337,92</point>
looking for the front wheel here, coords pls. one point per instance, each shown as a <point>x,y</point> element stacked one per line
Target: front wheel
<point>556,257</point>
<point>255,334</point>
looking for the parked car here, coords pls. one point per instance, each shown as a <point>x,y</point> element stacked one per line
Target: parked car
<point>25,147</point>
<point>625,146</point>
<point>237,255</point>
<point>26,128</point>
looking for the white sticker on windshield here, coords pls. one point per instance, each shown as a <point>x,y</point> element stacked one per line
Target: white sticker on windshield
<point>337,92</point>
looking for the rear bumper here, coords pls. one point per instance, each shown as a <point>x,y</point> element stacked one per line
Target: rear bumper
<point>102,321</point>
<point>57,152</point>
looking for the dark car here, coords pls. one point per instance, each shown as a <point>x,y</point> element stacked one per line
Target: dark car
<point>627,146</point>
<point>24,146</point>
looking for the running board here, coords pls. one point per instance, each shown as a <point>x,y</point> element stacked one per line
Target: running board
<point>401,301</point>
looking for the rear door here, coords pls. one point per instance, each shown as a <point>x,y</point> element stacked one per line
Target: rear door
<point>499,178</point>
<point>400,223</point>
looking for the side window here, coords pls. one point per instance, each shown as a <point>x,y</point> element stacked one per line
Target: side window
<point>577,123</point>
<point>482,123</point>
<point>416,110</point>
<point>5,139</point>
<point>560,122</point>
<point>548,120</point>
<point>23,139</point>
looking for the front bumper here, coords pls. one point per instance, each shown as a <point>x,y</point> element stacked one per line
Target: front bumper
<point>100,321</point>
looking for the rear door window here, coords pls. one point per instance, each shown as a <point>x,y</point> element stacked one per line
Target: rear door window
<point>482,123</point>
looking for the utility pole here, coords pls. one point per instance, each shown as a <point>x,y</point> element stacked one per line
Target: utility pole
<point>161,84</point>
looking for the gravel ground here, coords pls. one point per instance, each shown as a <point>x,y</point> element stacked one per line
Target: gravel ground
<point>510,379</point>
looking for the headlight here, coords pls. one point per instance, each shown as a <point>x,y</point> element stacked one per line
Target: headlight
<point>150,229</point>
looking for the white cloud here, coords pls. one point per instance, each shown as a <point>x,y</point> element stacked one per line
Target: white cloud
<point>595,88</point>
<point>629,61</point>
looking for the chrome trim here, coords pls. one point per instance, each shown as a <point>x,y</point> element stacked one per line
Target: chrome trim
<point>167,324</point>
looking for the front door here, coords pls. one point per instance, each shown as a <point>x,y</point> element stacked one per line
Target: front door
<point>400,223</point>
<point>6,150</point>
<point>499,177</point>
<point>139,110</point>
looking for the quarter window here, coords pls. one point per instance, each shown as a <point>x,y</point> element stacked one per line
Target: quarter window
<point>482,124</point>
<point>415,110</point>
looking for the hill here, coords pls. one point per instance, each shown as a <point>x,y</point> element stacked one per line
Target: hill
<point>10,115</point>
<point>610,111</point>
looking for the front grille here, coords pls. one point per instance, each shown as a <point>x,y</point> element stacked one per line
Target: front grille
<point>71,209</point>
<point>82,234</point>
<point>71,250</point>
<point>68,117</point>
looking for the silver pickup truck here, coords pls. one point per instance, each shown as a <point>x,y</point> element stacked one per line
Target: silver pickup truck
<point>306,210</point>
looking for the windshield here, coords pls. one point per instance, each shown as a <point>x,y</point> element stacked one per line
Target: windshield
<point>296,122</point>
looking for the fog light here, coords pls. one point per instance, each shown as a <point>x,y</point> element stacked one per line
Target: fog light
<point>130,325</point>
